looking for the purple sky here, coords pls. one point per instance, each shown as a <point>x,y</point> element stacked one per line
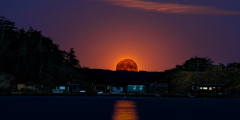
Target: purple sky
<point>156,34</point>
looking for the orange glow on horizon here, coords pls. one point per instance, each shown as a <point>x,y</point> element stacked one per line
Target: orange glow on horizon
<point>127,41</point>
<point>125,110</point>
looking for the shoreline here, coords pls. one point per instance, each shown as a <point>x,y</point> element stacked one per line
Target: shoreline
<point>117,95</point>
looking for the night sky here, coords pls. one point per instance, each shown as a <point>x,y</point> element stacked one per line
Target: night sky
<point>156,34</point>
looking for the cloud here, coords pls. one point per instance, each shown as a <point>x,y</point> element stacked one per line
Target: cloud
<point>171,8</point>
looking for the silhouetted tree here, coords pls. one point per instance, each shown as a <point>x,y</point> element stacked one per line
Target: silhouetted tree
<point>197,64</point>
<point>72,59</point>
<point>30,56</point>
<point>233,65</point>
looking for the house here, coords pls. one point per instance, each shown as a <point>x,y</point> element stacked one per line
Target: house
<point>158,88</point>
<point>74,88</point>
<point>84,87</point>
<point>60,88</point>
<point>78,88</point>
<point>117,89</point>
<point>101,88</point>
<point>26,86</point>
<point>208,88</point>
<point>135,88</point>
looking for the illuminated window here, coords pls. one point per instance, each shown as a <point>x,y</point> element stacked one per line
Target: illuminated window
<point>140,88</point>
<point>205,88</point>
<point>62,87</point>
<point>29,86</point>
<point>210,88</point>
<point>213,88</point>
<point>107,87</point>
<point>200,88</point>
<point>219,88</point>
<point>134,87</point>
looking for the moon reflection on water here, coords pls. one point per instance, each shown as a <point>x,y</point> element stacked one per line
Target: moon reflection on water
<point>125,110</point>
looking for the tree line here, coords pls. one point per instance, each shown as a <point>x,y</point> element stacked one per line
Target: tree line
<point>31,57</point>
<point>201,70</point>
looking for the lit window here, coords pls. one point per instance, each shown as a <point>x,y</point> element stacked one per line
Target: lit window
<point>210,88</point>
<point>140,88</point>
<point>29,86</point>
<point>107,87</point>
<point>205,88</point>
<point>219,88</point>
<point>62,87</point>
<point>200,88</point>
<point>213,88</point>
<point>134,87</point>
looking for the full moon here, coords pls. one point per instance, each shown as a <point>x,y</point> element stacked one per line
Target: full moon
<point>127,64</point>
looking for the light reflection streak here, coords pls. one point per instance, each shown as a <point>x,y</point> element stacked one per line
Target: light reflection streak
<point>125,110</point>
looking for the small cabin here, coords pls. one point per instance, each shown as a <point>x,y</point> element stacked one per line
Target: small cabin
<point>101,88</point>
<point>60,88</point>
<point>158,87</point>
<point>74,88</point>
<point>26,86</point>
<point>209,88</point>
<point>117,89</point>
<point>135,88</point>
<point>84,88</point>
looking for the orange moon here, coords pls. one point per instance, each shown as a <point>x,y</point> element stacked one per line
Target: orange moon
<point>127,64</point>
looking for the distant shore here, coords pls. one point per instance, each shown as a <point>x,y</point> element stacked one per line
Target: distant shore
<point>114,95</point>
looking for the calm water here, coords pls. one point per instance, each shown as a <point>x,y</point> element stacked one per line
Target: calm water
<point>116,108</point>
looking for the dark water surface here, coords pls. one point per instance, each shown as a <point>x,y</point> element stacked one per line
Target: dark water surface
<point>116,108</point>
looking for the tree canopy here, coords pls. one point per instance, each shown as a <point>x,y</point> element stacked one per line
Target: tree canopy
<point>197,64</point>
<point>200,70</point>
<point>32,57</point>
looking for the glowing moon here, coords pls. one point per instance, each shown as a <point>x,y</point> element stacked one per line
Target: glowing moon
<point>127,64</point>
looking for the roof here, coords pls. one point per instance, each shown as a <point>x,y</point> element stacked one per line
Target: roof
<point>211,84</point>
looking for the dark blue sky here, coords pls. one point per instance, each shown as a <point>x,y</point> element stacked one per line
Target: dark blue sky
<point>156,34</point>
